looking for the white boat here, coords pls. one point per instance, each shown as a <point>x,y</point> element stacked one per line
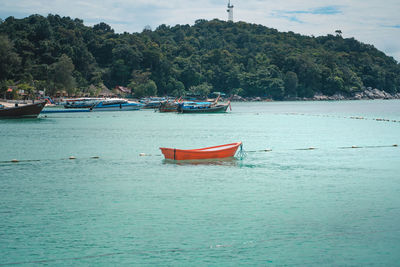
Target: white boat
<point>116,104</point>
<point>81,102</point>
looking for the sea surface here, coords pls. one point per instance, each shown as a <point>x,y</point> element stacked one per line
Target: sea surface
<point>319,186</point>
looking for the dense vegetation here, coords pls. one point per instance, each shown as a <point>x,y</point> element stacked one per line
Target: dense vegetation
<point>59,53</point>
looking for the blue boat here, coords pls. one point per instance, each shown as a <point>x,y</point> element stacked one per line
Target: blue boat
<point>202,107</point>
<point>81,102</point>
<point>115,104</point>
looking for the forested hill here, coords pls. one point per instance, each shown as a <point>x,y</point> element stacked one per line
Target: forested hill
<point>56,52</point>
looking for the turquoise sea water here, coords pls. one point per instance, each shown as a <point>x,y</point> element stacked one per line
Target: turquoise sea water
<point>332,205</point>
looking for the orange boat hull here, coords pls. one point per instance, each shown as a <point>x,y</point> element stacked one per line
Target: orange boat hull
<point>215,152</point>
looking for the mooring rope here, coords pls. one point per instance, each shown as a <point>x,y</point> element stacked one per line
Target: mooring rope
<point>241,154</point>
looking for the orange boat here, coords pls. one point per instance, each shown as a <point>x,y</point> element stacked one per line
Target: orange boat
<point>214,152</point>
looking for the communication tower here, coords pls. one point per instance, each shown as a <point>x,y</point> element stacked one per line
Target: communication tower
<point>230,11</point>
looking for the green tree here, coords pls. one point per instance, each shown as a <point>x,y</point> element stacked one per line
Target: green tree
<point>176,88</point>
<point>140,77</point>
<point>202,90</point>
<point>120,73</point>
<point>61,75</point>
<point>291,82</point>
<point>333,85</point>
<point>28,89</point>
<point>276,88</point>
<point>227,56</point>
<point>3,89</point>
<point>9,60</point>
<point>145,89</point>
<point>151,88</point>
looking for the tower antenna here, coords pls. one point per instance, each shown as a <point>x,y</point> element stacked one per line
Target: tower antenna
<point>230,11</point>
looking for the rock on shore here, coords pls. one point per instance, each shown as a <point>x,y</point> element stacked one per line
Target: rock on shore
<point>367,94</point>
<point>370,93</point>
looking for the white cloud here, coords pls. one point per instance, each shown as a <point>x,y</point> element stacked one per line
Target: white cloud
<point>370,21</point>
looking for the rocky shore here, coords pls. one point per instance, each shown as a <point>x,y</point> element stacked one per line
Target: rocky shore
<point>367,94</point>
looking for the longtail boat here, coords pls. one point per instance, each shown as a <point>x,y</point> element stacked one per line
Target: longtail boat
<point>214,152</point>
<point>22,111</point>
<point>168,106</point>
<point>203,108</point>
<point>152,105</point>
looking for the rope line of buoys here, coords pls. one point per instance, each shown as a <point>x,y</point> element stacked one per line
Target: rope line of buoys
<point>17,160</point>
<point>344,117</point>
<point>36,160</point>
<point>315,148</point>
<point>243,151</point>
<point>148,155</point>
<point>345,147</point>
<point>308,148</point>
<point>262,150</point>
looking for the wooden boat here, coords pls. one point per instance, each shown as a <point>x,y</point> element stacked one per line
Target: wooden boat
<point>203,107</point>
<point>22,111</point>
<point>214,152</point>
<point>231,161</point>
<point>152,105</point>
<point>168,106</point>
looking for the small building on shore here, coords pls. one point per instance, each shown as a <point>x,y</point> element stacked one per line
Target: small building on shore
<point>122,91</point>
<point>105,92</point>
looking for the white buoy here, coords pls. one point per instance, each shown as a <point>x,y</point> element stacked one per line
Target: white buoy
<point>72,157</point>
<point>142,154</point>
<point>14,160</point>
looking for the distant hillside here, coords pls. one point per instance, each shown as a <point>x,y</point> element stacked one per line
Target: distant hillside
<point>56,52</point>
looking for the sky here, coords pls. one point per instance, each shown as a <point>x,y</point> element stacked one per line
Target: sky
<point>374,22</point>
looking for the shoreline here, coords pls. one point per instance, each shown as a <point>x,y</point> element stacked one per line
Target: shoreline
<point>368,94</point>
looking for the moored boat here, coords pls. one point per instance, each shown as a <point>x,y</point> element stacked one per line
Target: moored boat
<point>168,106</point>
<point>152,102</point>
<point>81,102</point>
<point>214,152</point>
<point>115,104</point>
<point>152,105</point>
<point>22,111</point>
<point>202,108</point>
